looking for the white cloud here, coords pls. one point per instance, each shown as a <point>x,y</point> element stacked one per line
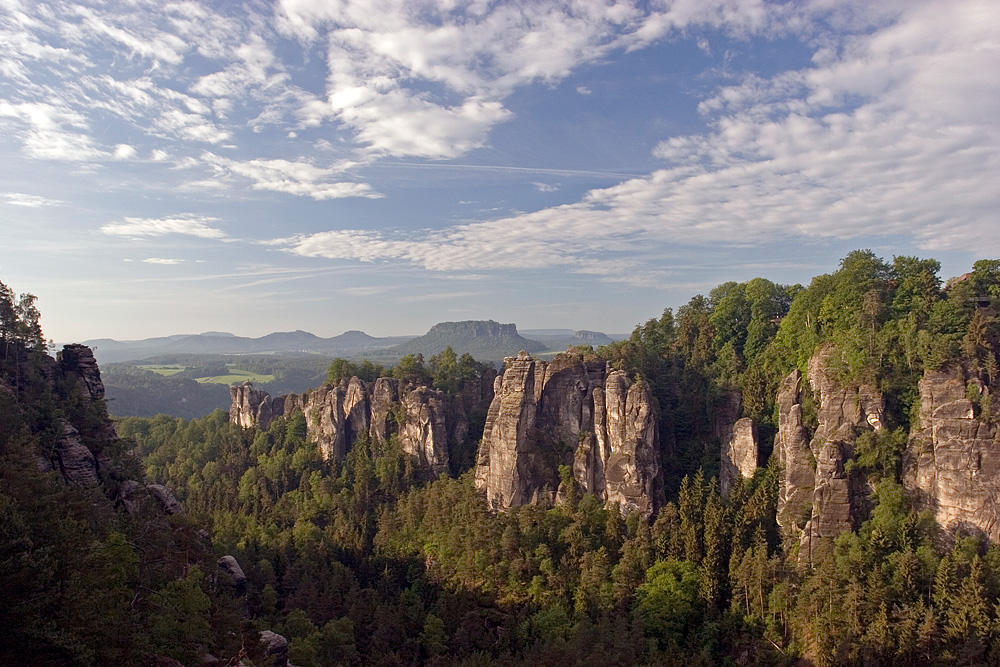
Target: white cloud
<point>868,142</point>
<point>546,187</point>
<point>51,131</point>
<point>583,90</point>
<point>160,260</point>
<point>380,52</point>
<point>191,225</point>
<point>124,152</point>
<point>29,201</point>
<point>190,126</point>
<point>295,178</point>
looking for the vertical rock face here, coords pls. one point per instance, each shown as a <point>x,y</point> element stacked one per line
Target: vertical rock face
<point>815,496</point>
<point>632,469</point>
<point>77,463</point>
<point>336,416</point>
<point>569,412</point>
<point>739,454</point>
<point>795,485</point>
<point>952,463</point>
<point>424,433</point>
<point>385,399</point>
<point>508,477</point>
<point>251,407</point>
<point>79,360</point>
<point>324,413</point>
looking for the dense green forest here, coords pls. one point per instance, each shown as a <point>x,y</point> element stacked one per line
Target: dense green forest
<point>359,563</point>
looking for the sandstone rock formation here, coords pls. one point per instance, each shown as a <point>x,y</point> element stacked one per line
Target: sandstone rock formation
<point>251,407</point>
<point>167,500</point>
<point>791,446</point>
<point>335,417</point>
<point>739,454</point>
<point>78,360</point>
<point>424,432</point>
<point>230,566</point>
<point>77,463</point>
<point>816,501</point>
<point>739,448</point>
<point>570,411</point>
<point>424,420</point>
<point>952,461</point>
<point>275,647</point>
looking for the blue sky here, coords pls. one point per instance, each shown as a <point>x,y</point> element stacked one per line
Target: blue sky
<point>385,164</point>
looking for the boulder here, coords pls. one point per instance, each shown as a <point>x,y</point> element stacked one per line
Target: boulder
<point>230,566</point>
<point>128,496</point>
<point>275,647</point>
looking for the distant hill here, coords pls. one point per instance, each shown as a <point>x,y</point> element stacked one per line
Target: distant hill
<point>484,340</point>
<point>348,344</point>
<point>560,339</point>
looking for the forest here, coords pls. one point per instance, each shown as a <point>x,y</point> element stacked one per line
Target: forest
<point>363,562</point>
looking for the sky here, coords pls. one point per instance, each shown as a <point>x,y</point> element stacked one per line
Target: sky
<point>384,165</point>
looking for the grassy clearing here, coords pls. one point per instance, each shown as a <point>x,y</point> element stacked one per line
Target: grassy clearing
<point>236,376</point>
<point>164,370</point>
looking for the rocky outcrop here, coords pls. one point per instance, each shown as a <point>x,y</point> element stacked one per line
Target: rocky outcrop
<point>424,432</point>
<point>632,467</point>
<point>816,498</point>
<point>952,460</point>
<point>739,454</point>
<point>332,419</point>
<point>384,405</point>
<point>78,360</point>
<point>77,464</point>
<point>508,468</point>
<point>275,648</point>
<point>231,567</point>
<point>166,499</point>
<point>424,420</point>
<point>795,484</point>
<point>570,411</point>
<point>250,407</point>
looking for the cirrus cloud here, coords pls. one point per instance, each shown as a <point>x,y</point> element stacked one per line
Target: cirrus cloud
<point>191,225</point>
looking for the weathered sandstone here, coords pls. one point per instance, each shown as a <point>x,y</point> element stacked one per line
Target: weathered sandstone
<point>952,460</point>
<point>570,411</point>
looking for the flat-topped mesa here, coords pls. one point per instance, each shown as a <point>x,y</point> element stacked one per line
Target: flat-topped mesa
<point>424,420</point>
<point>816,501</point>
<point>951,465</point>
<point>571,411</point>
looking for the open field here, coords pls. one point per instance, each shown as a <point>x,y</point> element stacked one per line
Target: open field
<point>162,369</point>
<point>236,375</point>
